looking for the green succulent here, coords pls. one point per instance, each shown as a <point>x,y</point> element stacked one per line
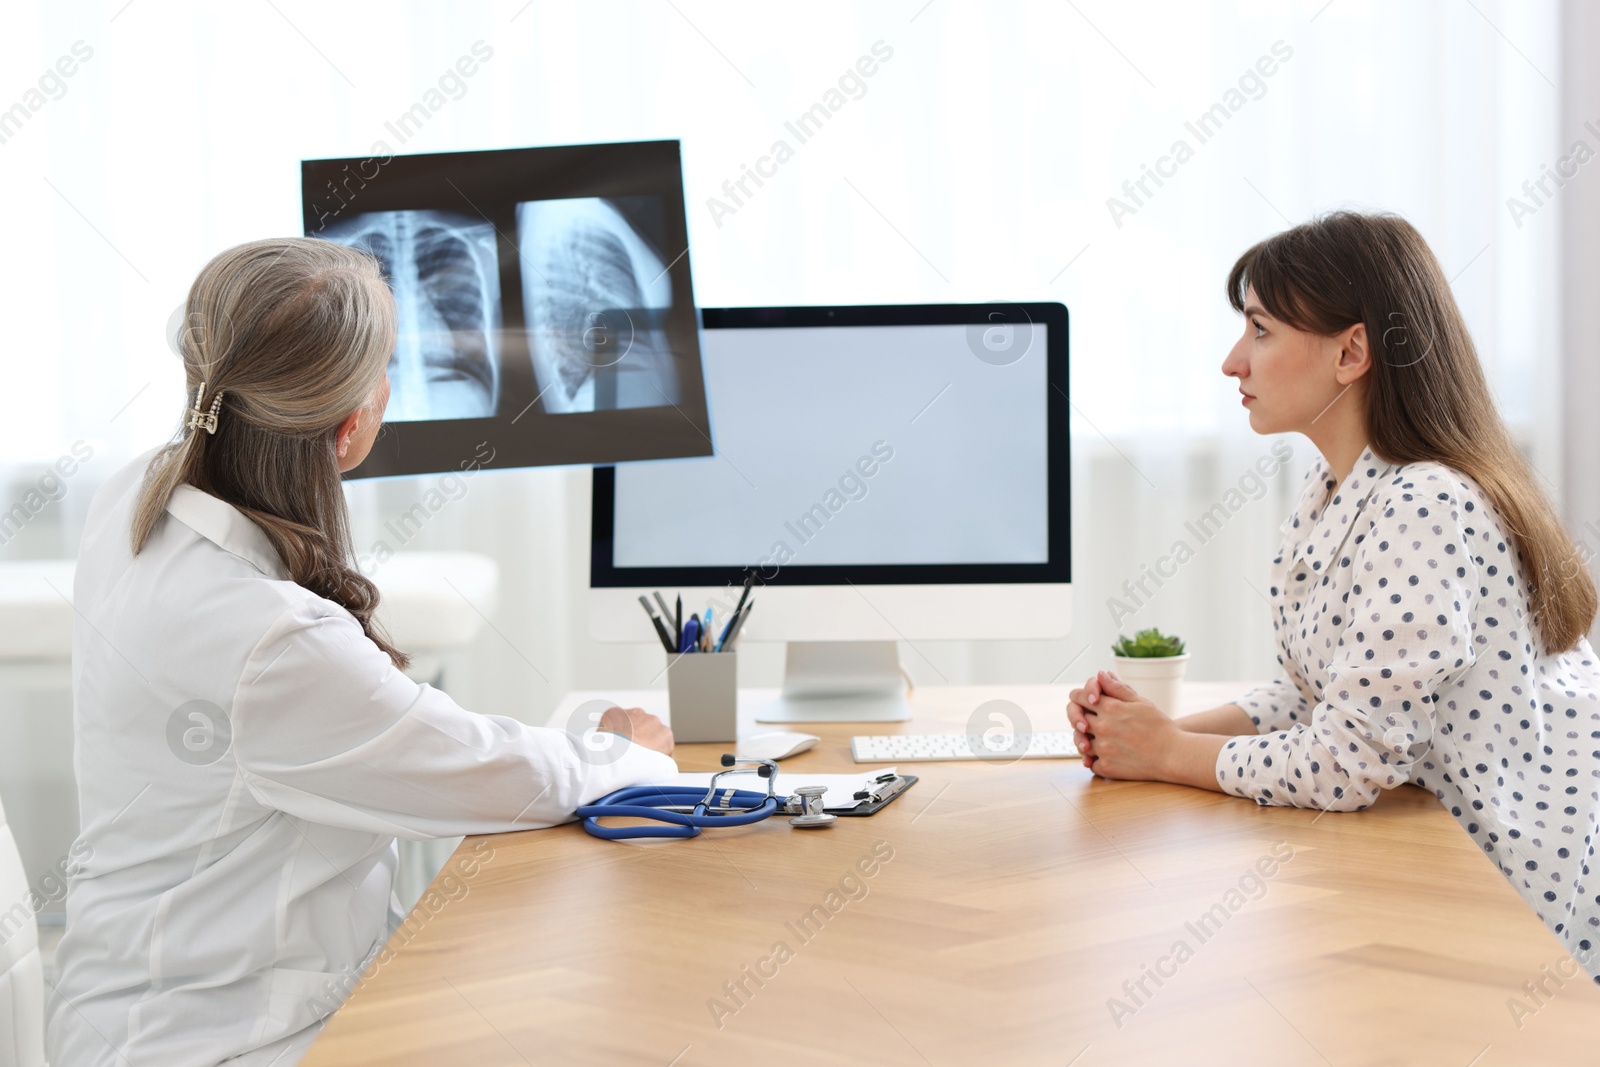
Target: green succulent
<point>1148,644</point>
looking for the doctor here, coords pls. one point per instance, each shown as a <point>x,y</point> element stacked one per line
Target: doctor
<point>1430,609</point>
<point>248,748</point>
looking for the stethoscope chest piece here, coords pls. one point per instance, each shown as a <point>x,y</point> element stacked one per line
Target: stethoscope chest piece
<point>814,817</point>
<point>813,822</point>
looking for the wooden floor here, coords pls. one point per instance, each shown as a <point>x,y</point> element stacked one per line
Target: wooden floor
<point>1024,914</point>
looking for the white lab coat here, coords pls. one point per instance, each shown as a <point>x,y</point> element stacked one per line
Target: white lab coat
<point>246,759</point>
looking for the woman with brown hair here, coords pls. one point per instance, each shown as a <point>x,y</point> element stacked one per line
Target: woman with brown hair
<point>1429,607</point>
<point>248,749</point>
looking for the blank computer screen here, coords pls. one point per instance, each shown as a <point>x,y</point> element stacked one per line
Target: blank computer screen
<point>851,445</point>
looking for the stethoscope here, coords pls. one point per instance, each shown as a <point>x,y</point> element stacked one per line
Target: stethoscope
<point>716,806</point>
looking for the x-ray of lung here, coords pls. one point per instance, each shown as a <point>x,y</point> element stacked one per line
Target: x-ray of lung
<point>595,292</point>
<point>545,301</point>
<point>443,270</point>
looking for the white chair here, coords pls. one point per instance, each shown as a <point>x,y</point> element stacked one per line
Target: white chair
<point>36,624</point>
<point>21,973</point>
<point>434,604</point>
<point>35,655</point>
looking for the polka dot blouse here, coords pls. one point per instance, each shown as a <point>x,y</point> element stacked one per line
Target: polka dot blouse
<point>1403,627</point>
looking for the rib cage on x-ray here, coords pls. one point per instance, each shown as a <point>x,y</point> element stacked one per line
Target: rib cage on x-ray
<point>443,270</point>
<point>594,295</point>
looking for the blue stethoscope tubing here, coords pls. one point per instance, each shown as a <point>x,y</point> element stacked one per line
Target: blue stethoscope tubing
<point>647,802</point>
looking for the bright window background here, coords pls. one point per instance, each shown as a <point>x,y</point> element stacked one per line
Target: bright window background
<point>976,166</point>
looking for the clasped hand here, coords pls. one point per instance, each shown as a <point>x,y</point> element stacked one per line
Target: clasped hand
<point>1120,733</point>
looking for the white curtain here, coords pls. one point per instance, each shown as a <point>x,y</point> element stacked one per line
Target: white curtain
<point>976,162</point>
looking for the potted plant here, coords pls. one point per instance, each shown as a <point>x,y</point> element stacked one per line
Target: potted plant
<point>1153,663</point>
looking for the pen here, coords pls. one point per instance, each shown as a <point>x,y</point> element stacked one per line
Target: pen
<point>728,628</point>
<point>706,631</point>
<point>738,624</point>
<point>691,635</point>
<point>666,611</point>
<point>749,580</point>
<point>677,624</point>
<point>655,620</point>
<point>882,787</point>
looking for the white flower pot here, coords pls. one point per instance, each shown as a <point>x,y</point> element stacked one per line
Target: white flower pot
<point>1159,679</point>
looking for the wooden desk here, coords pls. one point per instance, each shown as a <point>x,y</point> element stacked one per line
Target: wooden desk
<point>1017,903</point>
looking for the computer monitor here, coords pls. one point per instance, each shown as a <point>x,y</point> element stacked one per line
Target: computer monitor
<point>887,473</point>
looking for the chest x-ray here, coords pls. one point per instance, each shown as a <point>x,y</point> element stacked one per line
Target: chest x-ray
<point>443,269</point>
<point>545,299</point>
<point>595,291</point>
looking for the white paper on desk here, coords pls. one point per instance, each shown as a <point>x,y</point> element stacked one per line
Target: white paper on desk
<point>842,788</point>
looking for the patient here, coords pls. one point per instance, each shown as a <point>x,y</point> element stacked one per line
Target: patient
<point>1429,607</point>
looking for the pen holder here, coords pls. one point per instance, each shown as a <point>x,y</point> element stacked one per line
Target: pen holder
<point>703,697</point>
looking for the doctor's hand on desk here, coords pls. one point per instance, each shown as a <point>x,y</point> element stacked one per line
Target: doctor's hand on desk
<point>638,726</point>
<point>1123,735</point>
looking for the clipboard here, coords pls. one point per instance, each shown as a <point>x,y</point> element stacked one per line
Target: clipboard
<point>883,791</point>
<point>848,794</point>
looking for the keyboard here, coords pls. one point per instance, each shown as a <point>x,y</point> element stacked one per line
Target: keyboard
<point>998,747</point>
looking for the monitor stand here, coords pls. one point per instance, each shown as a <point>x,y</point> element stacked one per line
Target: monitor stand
<point>840,681</point>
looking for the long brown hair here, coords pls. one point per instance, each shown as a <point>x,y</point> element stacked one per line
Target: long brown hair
<point>295,334</point>
<point>1426,395</point>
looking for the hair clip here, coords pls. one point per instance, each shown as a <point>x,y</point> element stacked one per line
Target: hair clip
<point>204,420</point>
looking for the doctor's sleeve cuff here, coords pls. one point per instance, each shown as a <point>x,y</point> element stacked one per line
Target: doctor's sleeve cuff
<point>1278,705</point>
<point>605,769</point>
